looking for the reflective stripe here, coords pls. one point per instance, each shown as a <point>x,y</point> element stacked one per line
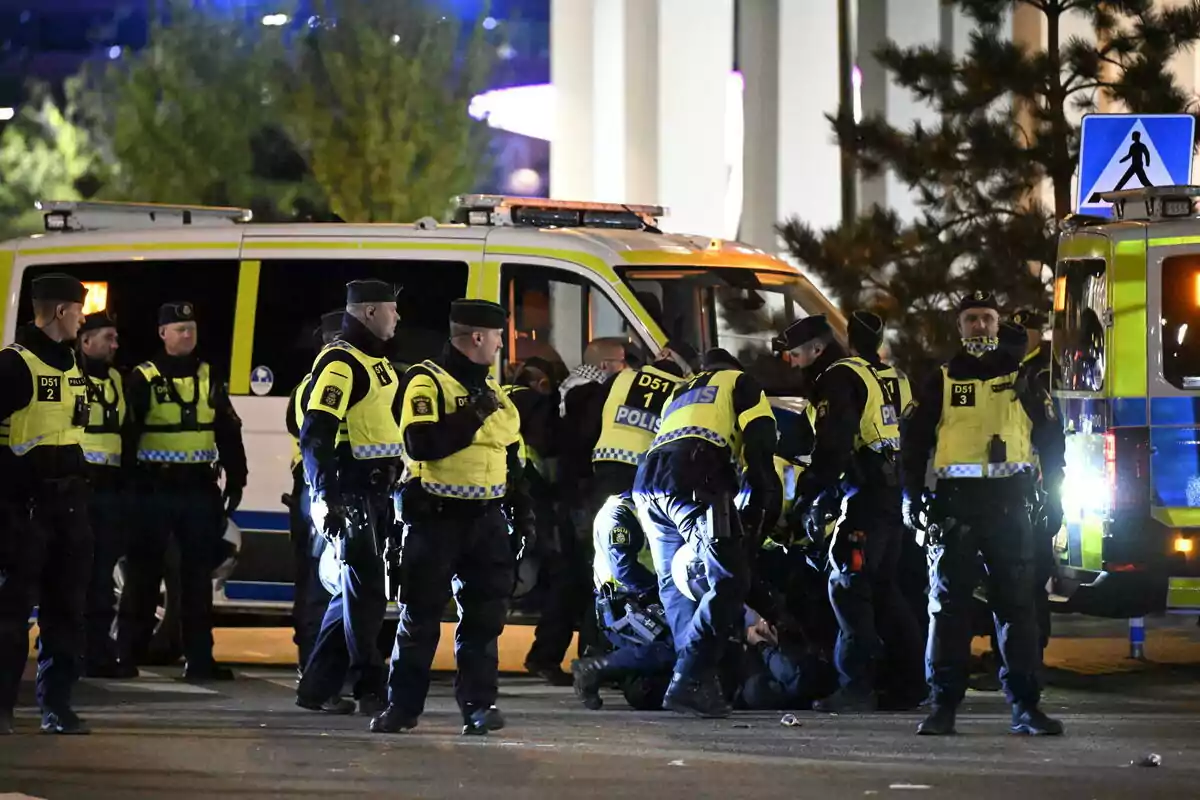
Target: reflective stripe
<point>616,454</point>
<point>884,444</point>
<point>465,492</point>
<point>22,449</point>
<point>1003,470</point>
<point>694,431</point>
<point>178,456</point>
<point>377,451</point>
<point>98,457</point>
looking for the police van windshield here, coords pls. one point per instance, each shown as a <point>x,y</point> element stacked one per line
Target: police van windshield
<point>738,309</point>
<point>1181,320</point>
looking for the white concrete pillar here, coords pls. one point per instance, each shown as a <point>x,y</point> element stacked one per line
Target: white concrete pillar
<point>695,57</point>
<point>758,49</point>
<point>910,23</point>
<point>625,108</point>
<point>572,68</point>
<point>809,165</point>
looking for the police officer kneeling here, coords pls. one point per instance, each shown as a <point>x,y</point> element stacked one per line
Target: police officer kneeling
<point>46,542</point>
<point>350,445</point>
<point>685,492</point>
<point>983,434</point>
<point>462,437</point>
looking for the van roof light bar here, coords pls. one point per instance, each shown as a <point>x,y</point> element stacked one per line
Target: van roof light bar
<point>1153,202</point>
<point>80,215</point>
<point>507,210</point>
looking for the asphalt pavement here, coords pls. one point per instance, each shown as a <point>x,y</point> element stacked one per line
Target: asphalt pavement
<point>158,737</point>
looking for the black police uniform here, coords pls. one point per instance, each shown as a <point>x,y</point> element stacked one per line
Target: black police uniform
<point>467,473</point>
<point>309,596</point>
<point>684,491</point>
<point>109,509</point>
<point>46,541</point>
<point>350,475</point>
<point>176,490</point>
<point>980,509</point>
<point>865,552</point>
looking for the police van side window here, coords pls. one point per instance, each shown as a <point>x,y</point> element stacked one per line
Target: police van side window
<point>1181,321</point>
<point>1080,306</point>
<point>132,291</point>
<point>294,293</point>
<point>553,314</point>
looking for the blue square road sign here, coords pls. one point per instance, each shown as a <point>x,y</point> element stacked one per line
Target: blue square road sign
<point>1132,151</point>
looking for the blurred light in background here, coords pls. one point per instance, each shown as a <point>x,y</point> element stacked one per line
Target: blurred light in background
<point>275,20</point>
<point>7,114</point>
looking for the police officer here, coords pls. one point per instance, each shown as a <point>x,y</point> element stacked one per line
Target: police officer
<point>309,599</point>
<point>684,492</point>
<point>350,444</point>
<point>630,615</point>
<point>982,435</point>
<point>462,436</point>
<point>854,457</point>
<point>182,430</point>
<point>46,542</point>
<point>108,507</point>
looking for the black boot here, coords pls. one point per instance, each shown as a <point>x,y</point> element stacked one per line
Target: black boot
<point>938,723</point>
<point>204,673</point>
<point>589,675</point>
<point>393,720</point>
<point>371,705</point>
<point>550,673</point>
<point>6,723</point>
<point>1030,720</point>
<point>701,698</point>
<point>337,705</point>
<point>847,701</point>
<point>65,722</point>
<point>482,721</point>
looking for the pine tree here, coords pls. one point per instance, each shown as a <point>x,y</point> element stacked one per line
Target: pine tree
<point>1003,134</point>
<point>377,103</point>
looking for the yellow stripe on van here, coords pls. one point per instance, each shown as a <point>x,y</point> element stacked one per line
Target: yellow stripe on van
<point>6,266</point>
<point>1171,241</point>
<point>723,257</point>
<point>1127,365</point>
<point>1183,593</point>
<point>359,244</point>
<point>128,247</point>
<point>1176,517</point>
<point>243,327</point>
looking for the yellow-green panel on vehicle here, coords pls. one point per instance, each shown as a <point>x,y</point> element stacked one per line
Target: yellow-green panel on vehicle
<point>1183,593</point>
<point>243,327</point>
<point>1091,538</point>
<point>1127,365</point>
<point>6,267</point>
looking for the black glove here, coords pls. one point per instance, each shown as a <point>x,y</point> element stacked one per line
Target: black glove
<point>484,403</point>
<point>914,509</point>
<point>329,519</point>
<point>232,498</point>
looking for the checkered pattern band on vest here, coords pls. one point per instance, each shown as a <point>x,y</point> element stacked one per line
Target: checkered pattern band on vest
<point>365,451</point>
<point>465,492</point>
<point>107,459</point>
<point>616,454</point>
<point>691,430</point>
<point>1004,470</point>
<point>178,456</point>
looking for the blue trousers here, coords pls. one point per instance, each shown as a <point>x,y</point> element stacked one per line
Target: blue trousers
<point>699,627</point>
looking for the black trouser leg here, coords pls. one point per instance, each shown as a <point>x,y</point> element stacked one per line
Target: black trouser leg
<point>1008,550</point>
<point>109,517</point>
<point>482,582</point>
<point>22,553</point>
<point>198,523</point>
<point>144,562</point>
<point>951,582</point>
<point>431,548</point>
<point>62,512</point>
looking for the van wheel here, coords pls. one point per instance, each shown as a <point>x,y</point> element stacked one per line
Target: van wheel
<point>166,643</point>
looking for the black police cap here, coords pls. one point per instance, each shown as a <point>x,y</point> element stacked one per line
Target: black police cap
<point>478,314</point>
<point>331,322</point>
<point>58,287</point>
<point>169,313</point>
<point>803,331</point>
<point>1030,317</point>
<point>371,292</point>
<point>719,358</point>
<point>1011,335</point>
<point>865,331</point>
<point>98,321</point>
<point>977,300</point>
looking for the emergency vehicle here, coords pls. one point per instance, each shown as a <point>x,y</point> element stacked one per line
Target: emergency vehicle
<point>568,272</point>
<point>1126,345</point>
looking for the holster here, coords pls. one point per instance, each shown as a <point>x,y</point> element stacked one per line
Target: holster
<point>720,524</point>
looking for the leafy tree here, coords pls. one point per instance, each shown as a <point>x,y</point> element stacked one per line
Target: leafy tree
<point>1002,135</point>
<point>192,117</point>
<point>43,156</point>
<point>377,103</point>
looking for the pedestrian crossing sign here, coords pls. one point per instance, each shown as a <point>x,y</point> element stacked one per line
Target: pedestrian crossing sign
<point>1132,151</point>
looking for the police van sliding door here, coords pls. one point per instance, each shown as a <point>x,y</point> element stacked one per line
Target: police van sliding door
<point>289,280</point>
<point>1173,389</point>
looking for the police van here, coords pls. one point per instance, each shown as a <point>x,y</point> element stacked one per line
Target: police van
<point>1126,344</point>
<point>568,272</point>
